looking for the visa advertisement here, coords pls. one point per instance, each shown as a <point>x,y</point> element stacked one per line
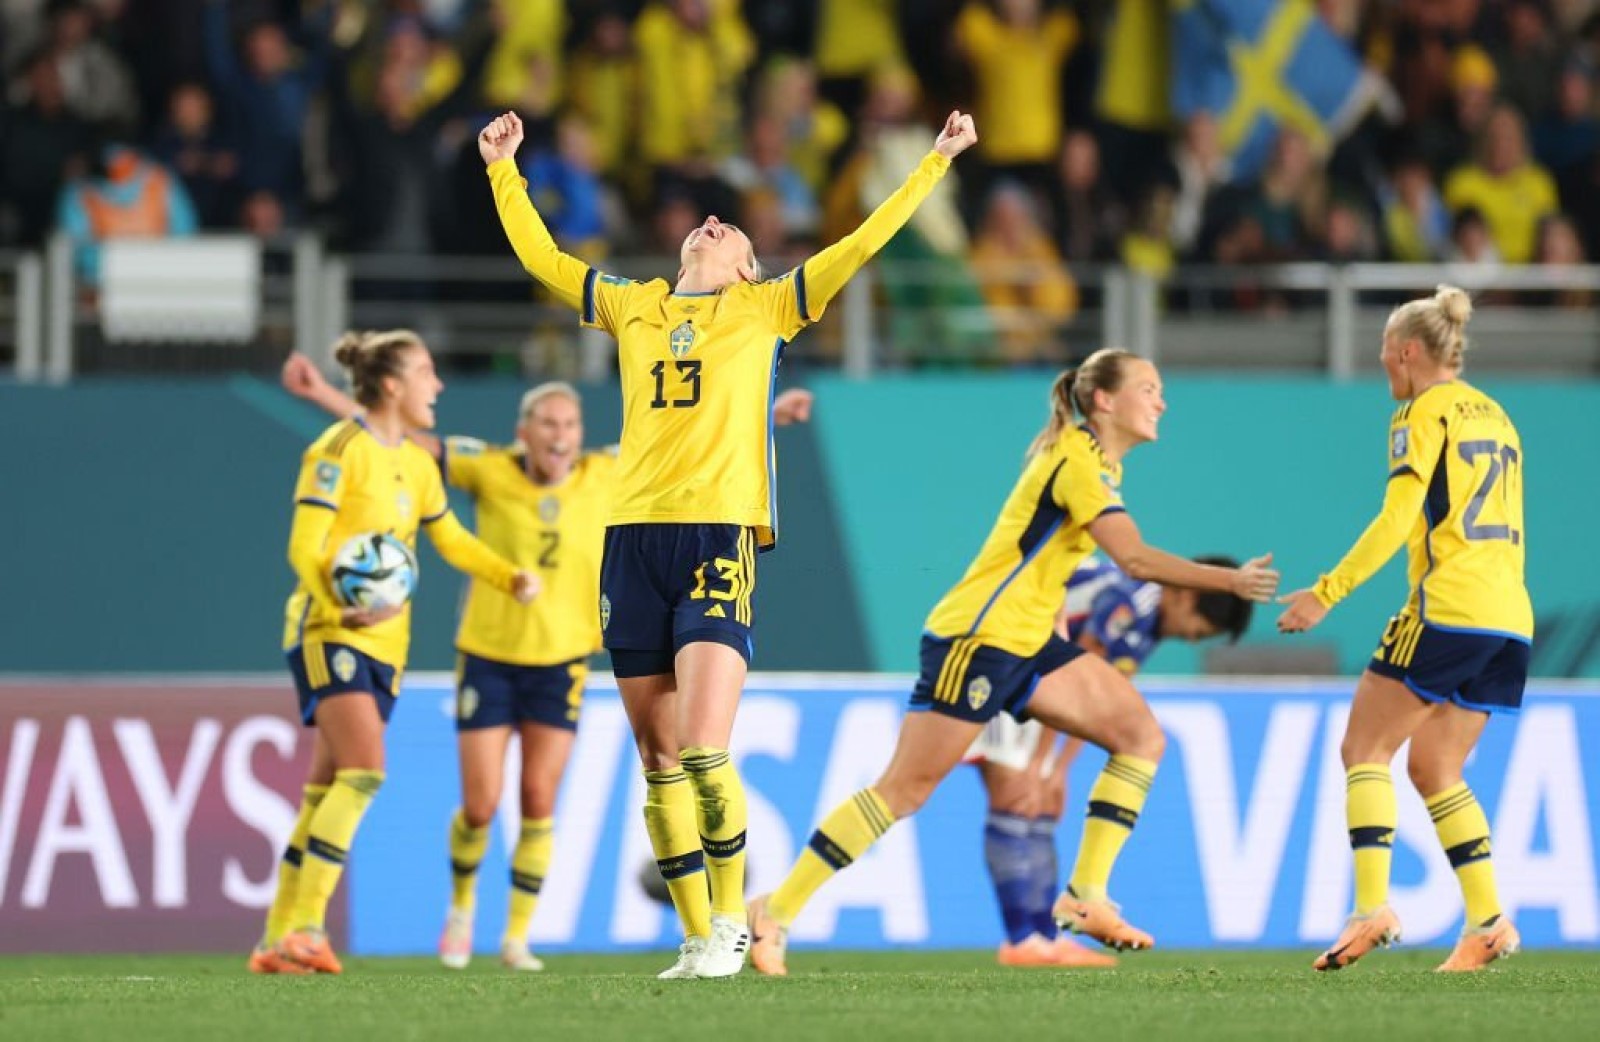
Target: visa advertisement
<point>147,815</point>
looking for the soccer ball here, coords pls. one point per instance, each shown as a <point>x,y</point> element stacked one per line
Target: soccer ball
<point>374,570</point>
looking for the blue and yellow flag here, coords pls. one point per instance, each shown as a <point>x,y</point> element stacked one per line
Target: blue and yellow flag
<point>1261,65</point>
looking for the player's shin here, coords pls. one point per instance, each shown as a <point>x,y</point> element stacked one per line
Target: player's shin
<point>280,917</point>
<point>721,814</point>
<point>1114,805</point>
<point>669,818</point>
<point>844,835</point>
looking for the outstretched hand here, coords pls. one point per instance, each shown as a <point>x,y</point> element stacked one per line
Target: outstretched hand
<point>792,406</point>
<point>302,378</point>
<point>501,138</point>
<point>958,135</point>
<point>1256,579</point>
<point>1304,611</point>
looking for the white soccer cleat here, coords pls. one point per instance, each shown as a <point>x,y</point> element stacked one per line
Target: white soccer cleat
<point>688,965</point>
<point>455,944</point>
<point>725,952</point>
<point>515,955</point>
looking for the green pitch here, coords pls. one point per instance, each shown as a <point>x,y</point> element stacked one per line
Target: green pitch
<point>832,996</point>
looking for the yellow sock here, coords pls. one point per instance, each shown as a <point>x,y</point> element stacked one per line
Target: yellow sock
<point>722,814</point>
<point>467,847</point>
<point>1114,805</point>
<point>333,828</point>
<point>529,864</point>
<point>1371,814</point>
<point>1464,834</point>
<point>669,817</point>
<point>844,835</point>
<point>280,915</point>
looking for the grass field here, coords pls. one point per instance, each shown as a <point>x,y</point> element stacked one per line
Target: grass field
<point>834,996</point>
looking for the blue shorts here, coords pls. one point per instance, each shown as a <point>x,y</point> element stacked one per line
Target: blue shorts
<point>497,694</point>
<point>1481,671</point>
<point>664,586</point>
<point>971,681</point>
<point>323,670</point>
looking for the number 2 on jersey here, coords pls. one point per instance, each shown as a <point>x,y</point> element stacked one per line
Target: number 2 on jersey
<point>1502,460</point>
<point>688,374</point>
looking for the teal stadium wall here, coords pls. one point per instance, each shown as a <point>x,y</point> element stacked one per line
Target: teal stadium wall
<point>145,522</point>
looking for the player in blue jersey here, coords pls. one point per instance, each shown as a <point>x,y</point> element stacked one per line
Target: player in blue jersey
<point>1024,764</point>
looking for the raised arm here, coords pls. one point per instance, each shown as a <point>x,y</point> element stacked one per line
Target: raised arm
<point>1119,537</point>
<point>563,273</point>
<point>465,552</point>
<point>305,381</point>
<point>826,273</point>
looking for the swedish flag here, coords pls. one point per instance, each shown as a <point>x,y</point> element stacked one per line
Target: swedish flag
<point>1260,65</point>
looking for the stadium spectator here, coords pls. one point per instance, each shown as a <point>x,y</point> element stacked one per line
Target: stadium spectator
<point>814,130</point>
<point>1527,56</point>
<point>1146,247</point>
<point>1290,200</point>
<point>1416,225</point>
<point>1030,294</point>
<point>41,137</point>
<point>1089,215</point>
<point>525,68</point>
<point>1202,169</point>
<point>1512,191</point>
<point>1567,136</point>
<point>566,189</point>
<point>691,55</point>
<point>124,194</point>
<point>268,95</point>
<point>1017,51</point>
<point>602,89</point>
<point>1560,246</point>
<point>1446,138</point>
<point>855,38</point>
<point>262,215</point>
<point>764,166</point>
<point>193,145</point>
<point>1347,236</point>
<point>1133,100</point>
<point>97,83</point>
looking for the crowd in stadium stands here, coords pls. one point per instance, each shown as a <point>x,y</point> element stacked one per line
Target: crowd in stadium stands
<point>356,118</point>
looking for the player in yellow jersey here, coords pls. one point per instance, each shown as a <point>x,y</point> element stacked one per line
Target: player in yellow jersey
<point>542,503</point>
<point>695,501</point>
<point>1458,650</point>
<point>362,475</point>
<point>990,645</point>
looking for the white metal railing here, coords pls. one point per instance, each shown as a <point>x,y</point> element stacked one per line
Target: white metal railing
<point>1306,316</point>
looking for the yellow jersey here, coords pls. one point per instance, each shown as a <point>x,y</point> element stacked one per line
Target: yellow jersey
<point>369,487</point>
<point>1460,509</point>
<point>1018,72</point>
<point>699,370</point>
<point>1512,205</point>
<point>555,531</point>
<point>1011,593</point>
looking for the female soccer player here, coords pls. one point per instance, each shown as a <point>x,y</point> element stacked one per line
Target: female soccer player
<point>541,503</point>
<point>1458,650</point>
<point>991,645</point>
<point>362,475</point>
<point>1024,772</point>
<point>695,502</point>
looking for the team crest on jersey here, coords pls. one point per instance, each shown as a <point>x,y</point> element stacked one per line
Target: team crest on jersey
<point>467,702</point>
<point>327,477</point>
<point>402,503</point>
<point>681,341</point>
<point>549,509</point>
<point>605,611</point>
<point>978,691</point>
<point>344,664</point>
<point>1399,441</point>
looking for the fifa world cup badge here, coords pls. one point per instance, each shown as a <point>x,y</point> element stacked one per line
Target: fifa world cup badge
<point>1398,444</point>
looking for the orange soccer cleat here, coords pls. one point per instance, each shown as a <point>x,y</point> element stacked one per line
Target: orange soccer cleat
<point>1031,951</point>
<point>1362,933</point>
<point>1070,953</point>
<point>264,960</point>
<point>769,941</point>
<point>1482,945</point>
<point>310,951</point>
<point>1101,920</point>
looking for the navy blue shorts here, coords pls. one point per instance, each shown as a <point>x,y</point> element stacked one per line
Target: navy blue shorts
<point>972,681</point>
<point>323,670</point>
<point>1482,671</point>
<point>498,694</point>
<point>664,586</point>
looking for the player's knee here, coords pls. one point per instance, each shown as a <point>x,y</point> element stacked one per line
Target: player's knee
<point>1143,738</point>
<point>905,796</point>
<point>1431,773</point>
<point>538,798</point>
<point>1359,748</point>
<point>657,758</point>
<point>478,810</point>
